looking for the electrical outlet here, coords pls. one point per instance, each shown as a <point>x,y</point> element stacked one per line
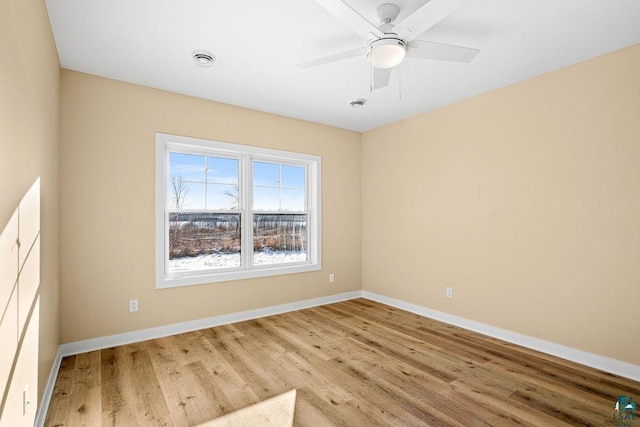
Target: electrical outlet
<point>133,305</point>
<point>449,292</point>
<point>332,278</point>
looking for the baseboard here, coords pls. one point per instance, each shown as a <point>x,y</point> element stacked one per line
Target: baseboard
<point>41,414</point>
<point>603,363</point>
<point>210,322</point>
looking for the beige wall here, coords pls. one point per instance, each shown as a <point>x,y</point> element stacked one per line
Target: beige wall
<point>525,200</point>
<point>29,127</point>
<point>107,206</point>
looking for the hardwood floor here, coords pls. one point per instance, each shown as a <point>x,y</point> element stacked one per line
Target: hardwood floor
<point>354,363</point>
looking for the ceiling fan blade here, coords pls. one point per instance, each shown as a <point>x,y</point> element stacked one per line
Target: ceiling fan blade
<point>426,17</point>
<point>333,58</point>
<point>381,77</point>
<point>350,17</point>
<point>441,52</point>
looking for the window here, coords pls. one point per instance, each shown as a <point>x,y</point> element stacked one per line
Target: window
<point>227,211</point>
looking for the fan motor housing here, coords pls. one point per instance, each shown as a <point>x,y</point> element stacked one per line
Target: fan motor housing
<point>387,13</point>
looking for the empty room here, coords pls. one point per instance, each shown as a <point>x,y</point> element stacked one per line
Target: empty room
<point>319,212</point>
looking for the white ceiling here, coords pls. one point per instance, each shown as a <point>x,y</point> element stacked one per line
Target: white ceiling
<point>259,43</point>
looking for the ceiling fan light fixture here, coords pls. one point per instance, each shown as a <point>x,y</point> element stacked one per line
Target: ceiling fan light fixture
<point>386,52</point>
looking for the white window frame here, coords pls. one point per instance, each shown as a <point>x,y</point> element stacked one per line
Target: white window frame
<point>247,154</point>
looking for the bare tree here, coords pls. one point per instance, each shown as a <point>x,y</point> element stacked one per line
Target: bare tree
<point>234,195</point>
<point>179,192</point>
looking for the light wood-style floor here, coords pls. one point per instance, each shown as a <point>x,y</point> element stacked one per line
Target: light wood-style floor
<point>354,363</point>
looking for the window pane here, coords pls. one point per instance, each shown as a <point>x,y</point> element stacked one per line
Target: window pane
<point>279,238</point>
<point>291,200</point>
<point>188,167</point>
<point>266,199</point>
<point>203,241</point>
<point>293,176</point>
<point>222,196</point>
<point>266,174</point>
<point>222,171</point>
<point>192,196</point>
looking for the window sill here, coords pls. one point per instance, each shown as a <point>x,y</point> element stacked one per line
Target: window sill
<point>205,278</point>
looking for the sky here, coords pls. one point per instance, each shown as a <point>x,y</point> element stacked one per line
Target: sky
<point>211,183</point>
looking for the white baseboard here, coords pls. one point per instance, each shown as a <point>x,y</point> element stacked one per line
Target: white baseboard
<point>41,414</point>
<point>603,363</point>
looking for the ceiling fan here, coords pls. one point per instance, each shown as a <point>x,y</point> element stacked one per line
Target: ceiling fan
<point>389,43</point>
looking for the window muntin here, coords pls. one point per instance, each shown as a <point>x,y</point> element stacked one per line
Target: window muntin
<point>229,211</point>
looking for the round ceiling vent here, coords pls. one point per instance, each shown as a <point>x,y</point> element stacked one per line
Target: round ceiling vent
<point>357,103</point>
<point>203,58</point>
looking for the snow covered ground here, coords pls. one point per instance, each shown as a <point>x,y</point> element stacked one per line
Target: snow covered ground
<point>205,262</point>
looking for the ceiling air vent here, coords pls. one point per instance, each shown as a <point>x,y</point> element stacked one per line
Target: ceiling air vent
<point>357,103</point>
<point>203,58</point>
